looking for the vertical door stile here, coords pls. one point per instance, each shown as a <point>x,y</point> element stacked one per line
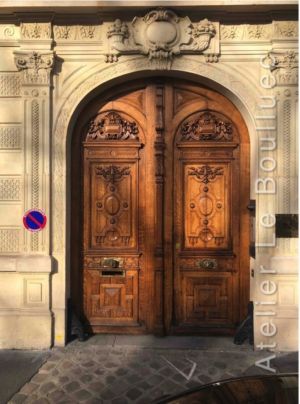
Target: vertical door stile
<point>159,147</point>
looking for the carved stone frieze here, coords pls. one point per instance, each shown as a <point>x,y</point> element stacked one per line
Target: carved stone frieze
<point>286,29</point>
<point>161,35</point>
<point>36,67</point>
<point>112,127</point>
<point>76,32</point>
<point>9,32</point>
<point>206,127</point>
<point>36,30</point>
<point>247,32</point>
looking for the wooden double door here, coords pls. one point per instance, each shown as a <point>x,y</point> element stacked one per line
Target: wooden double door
<point>160,190</point>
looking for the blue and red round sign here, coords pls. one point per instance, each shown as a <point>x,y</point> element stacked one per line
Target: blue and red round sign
<point>34,220</point>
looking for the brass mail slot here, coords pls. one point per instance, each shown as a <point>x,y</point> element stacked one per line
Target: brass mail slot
<point>107,272</point>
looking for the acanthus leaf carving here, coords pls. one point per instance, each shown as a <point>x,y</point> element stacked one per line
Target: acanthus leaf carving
<point>112,173</point>
<point>112,127</point>
<point>207,127</point>
<point>36,67</point>
<point>36,30</point>
<point>284,66</point>
<point>206,173</point>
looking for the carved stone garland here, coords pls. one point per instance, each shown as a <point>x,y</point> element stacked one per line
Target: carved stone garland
<point>207,127</point>
<point>112,127</point>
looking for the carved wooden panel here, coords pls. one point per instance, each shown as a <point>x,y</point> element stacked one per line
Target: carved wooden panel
<point>111,299</point>
<point>113,205</point>
<point>207,209</point>
<point>207,298</point>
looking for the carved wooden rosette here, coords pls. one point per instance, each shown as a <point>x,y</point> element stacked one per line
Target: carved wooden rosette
<point>111,224</point>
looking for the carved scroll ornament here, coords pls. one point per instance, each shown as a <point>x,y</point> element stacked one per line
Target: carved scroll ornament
<point>206,127</point>
<point>161,35</point>
<point>206,173</point>
<point>112,127</point>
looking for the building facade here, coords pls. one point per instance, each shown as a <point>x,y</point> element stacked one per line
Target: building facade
<point>160,141</point>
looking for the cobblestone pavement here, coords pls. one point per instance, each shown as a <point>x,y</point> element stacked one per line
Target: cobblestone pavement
<point>101,371</point>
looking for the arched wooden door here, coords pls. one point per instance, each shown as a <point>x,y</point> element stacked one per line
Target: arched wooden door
<point>165,232</point>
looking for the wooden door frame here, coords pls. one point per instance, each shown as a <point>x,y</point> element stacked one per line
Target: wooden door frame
<point>76,190</point>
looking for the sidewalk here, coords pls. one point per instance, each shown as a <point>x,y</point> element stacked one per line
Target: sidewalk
<point>113,369</point>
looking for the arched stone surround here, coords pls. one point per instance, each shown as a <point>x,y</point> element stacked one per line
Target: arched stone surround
<point>93,83</point>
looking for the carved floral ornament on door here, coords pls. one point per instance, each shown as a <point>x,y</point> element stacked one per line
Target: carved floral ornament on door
<point>161,35</point>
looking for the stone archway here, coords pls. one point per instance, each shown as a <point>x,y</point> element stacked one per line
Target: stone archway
<point>102,78</point>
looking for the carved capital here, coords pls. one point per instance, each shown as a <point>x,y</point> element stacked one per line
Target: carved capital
<point>284,67</point>
<point>36,67</point>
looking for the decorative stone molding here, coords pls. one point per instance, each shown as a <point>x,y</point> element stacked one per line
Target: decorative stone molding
<point>9,240</point>
<point>76,32</point>
<point>286,29</point>
<point>10,137</point>
<point>10,188</point>
<point>10,85</point>
<point>9,32</point>
<point>36,67</point>
<point>35,149</point>
<point>161,35</point>
<point>36,30</point>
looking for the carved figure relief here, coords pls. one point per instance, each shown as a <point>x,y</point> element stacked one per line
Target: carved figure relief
<point>36,30</point>
<point>206,127</point>
<point>112,127</point>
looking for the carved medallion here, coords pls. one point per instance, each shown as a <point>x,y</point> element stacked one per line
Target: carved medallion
<point>206,127</point>
<point>206,173</point>
<point>112,127</point>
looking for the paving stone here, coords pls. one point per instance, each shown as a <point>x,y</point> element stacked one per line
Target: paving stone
<point>39,377</point>
<point>18,398</point>
<point>168,386</point>
<point>144,385</point>
<point>120,400</point>
<point>96,386</point>
<point>29,388</point>
<point>42,400</point>
<point>82,395</point>
<point>47,387</point>
<point>133,394</point>
<point>220,365</point>
<point>107,394</point>
<point>58,395</point>
<point>121,372</point>
<point>88,364</point>
<point>63,379</point>
<point>133,378</point>
<point>110,379</point>
<point>86,378</point>
<point>154,380</point>
<point>72,386</point>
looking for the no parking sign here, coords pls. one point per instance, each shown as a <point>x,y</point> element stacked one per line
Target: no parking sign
<point>34,220</point>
